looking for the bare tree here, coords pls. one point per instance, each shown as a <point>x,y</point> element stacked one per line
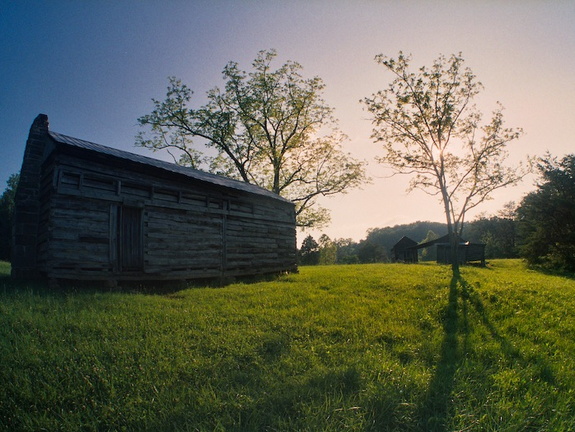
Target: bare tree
<point>430,128</point>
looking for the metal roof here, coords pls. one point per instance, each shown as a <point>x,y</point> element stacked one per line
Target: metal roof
<point>166,166</point>
<point>440,240</point>
<point>404,243</point>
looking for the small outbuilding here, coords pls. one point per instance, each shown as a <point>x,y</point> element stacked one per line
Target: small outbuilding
<point>405,250</point>
<point>84,211</point>
<point>467,252</point>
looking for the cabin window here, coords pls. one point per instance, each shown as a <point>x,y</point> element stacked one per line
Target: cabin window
<point>130,239</point>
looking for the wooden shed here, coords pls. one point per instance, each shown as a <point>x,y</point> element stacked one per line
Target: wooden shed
<point>84,211</point>
<point>467,252</point>
<point>405,250</point>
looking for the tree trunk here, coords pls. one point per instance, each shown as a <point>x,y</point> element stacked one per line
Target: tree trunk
<point>454,252</point>
<point>452,234</point>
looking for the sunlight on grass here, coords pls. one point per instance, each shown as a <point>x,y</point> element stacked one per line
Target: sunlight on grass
<point>361,347</point>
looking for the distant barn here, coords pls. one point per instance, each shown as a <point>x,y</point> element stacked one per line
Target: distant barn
<point>406,250</point>
<point>84,211</point>
<point>467,253</point>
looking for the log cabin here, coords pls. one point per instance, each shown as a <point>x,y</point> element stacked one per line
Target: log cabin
<point>84,211</point>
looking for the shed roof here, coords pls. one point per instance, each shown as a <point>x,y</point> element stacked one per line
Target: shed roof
<point>440,240</point>
<point>404,243</point>
<point>166,166</point>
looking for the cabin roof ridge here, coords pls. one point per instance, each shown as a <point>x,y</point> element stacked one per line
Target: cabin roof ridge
<point>164,165</point>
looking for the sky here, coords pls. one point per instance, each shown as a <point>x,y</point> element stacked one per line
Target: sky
<point>94,66</point>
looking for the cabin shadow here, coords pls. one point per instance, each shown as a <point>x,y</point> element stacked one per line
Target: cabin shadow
<point>150,287</point>
<point>5,279</point>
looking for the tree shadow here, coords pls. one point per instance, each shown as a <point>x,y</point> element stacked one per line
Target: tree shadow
<point>438,405</point>
<point>472,298</point>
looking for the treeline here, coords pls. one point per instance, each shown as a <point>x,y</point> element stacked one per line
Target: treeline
<point>541,229</point>
<point>499,233</point>
<point>7,217</point>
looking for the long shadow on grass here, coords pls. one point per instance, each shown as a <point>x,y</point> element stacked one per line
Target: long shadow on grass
<point>437,407</point>
<point>511,353</point>
<point>471,298</point>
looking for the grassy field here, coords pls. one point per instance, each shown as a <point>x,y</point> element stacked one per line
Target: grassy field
<point>359,348</point>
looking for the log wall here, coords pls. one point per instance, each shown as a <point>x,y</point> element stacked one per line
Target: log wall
<point>189,229</point>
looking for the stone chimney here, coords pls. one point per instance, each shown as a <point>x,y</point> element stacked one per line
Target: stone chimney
<point>27,202</point>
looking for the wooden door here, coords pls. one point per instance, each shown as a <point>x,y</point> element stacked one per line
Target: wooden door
<point>130,239</point>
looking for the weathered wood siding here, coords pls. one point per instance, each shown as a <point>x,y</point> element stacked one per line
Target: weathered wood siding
<point>465,252</point>
<point>188,229</point>
<point>404,250</point>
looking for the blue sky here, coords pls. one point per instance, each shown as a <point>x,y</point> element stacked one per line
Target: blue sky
<point>93,66</point>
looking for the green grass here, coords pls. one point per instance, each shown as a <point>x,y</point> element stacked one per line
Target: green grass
<point>359,348</point>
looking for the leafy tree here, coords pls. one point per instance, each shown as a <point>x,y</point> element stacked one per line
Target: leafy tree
<point>370,252</point>
<point>309,251</point>
<point>327,250</point>
<point>430,129</point>
<point>7,217</point>
<point>547,216</point>
<point>429,253</point>
<point>346,251</point>
<point>266,127</point>
<point>498,232</point>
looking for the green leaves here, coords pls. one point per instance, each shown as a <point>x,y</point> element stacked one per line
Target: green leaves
<point>268,127</point>
<point>547,216</point>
